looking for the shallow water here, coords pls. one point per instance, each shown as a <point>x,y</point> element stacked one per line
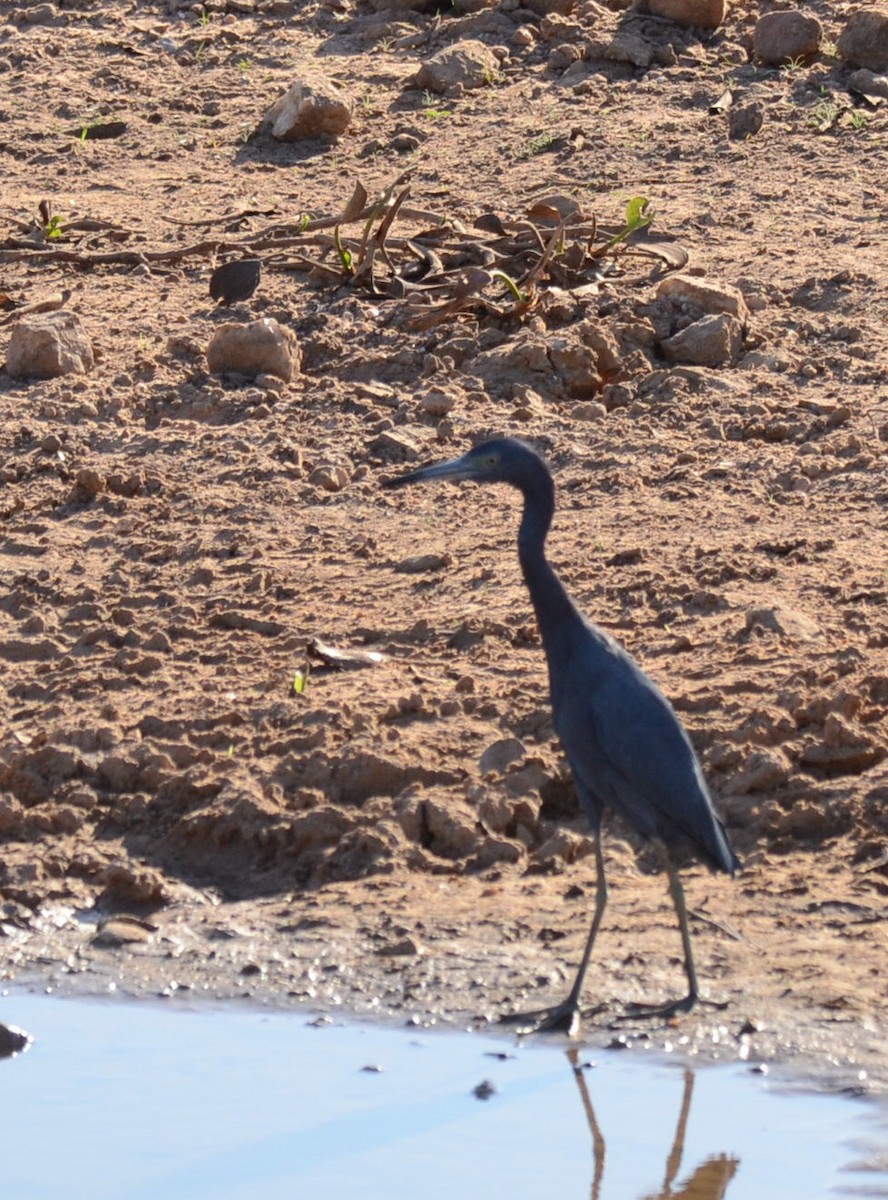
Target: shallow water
<point>140,1100</point>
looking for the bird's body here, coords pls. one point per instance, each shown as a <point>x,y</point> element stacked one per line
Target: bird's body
<point>627,749</point>
<point>235,281</point>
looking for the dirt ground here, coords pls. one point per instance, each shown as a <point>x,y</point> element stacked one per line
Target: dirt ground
<point>189,801</point>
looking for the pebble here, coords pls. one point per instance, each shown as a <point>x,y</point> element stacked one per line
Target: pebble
<point>704,294</point>
<point>468,64</point>
<point>713,341</point>
<point>745,121</point>
<point>308,112</point>
<point>501,754</point>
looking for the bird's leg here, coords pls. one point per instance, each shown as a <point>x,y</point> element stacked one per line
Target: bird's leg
<point>676,891</point>
<point>565,1017</point>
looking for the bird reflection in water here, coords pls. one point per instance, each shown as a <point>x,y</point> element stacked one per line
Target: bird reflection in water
<point>708,1182</point>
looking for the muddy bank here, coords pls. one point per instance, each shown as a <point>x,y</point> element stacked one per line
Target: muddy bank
<point>403,838</point>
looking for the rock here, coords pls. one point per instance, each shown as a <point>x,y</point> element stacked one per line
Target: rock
<point>466,64</point>
<point>306,112</point>
<point>577,365</point>
<point>563,56</point>
<point>693,14</point>
<point>564,845</point>
<point>500,755</point>
<point>40,14</point>
<point>260,348</point>
<point>869,84</point>
<point>864,40</point>
<point>121,931</point>
<point>709,297</point>
<point>497,850</point>
<point>330,477</point>
<point>48,344</point>
<point>779,37</point>
<point>745,120</point>
<point>436,402</point>
<point>420,564</point>
<point>451,830</point>
<point>87,486</point>
<point>590,410</point>
<point>762,771</point>
<point>403,946</point>
<point>623,47</point>
<point>786,621</point>
<point>391,444</point>
<point>713,341</point>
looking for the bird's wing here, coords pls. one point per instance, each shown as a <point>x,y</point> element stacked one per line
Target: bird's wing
<point>628,748</point>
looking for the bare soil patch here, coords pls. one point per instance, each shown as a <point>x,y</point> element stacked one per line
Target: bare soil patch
<point>172,540</point>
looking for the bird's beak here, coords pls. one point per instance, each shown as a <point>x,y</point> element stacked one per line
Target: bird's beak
<point>455,468</point>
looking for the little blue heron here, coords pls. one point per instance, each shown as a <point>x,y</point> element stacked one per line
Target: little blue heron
<point>627,749</point>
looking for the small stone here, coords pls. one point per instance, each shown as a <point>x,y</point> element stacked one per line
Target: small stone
<point>390,444</point>
<point>404,947</point>
<point>864,40</point>
<point>590,410</point>
<point>763,771</point>
<point>692,14</point>
<point>437,402</point>
<point>468,64</point>
<point>420,564</point>
<point>120,931</point>
<point>261,348</point>
<point>524,37</point>
<point>869,83</point>
<point>307,112</point>
<point>87,486</point>
<point>745,120</point>
<point>330,477</point>
<point>780,37</point>
<point>501,754</point>
<point>786,621</point>
<point>563,56</point>
<point>46,345</point>
<point>40,14</point>
<point>707,296</point>
<point>713,341</point>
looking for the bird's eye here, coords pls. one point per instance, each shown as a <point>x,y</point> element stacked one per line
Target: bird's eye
<point>490,460</point>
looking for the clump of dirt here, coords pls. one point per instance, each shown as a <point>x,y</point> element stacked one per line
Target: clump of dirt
<point>401,835</point>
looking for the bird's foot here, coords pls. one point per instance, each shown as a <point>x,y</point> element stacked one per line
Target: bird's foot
<point>635,1012</point>
<point>562,1018</point>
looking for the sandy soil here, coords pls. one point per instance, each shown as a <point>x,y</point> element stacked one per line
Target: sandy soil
<point>174,814</point>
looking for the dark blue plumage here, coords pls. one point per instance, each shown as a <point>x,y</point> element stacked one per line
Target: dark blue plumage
<point>626,747</point>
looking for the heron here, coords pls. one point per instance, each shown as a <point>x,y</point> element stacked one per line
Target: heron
<point>626,747</point>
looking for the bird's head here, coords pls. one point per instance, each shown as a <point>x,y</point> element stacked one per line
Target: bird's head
<point>502,460</point>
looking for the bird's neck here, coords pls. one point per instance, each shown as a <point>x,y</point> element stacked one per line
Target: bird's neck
<point>553,607</point>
